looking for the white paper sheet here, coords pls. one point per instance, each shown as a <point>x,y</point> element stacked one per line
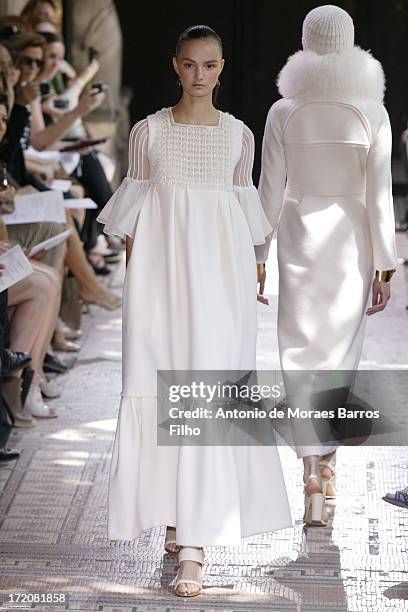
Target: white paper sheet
<point>80,203</point>
<point>69,161</point>
<point>61,185</point>
<point>37,208</point>
<point>16,267</point>
<point>48,244</point>
<point>48,155</point>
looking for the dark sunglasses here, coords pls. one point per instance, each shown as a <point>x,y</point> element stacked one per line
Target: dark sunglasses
<point>29,61</point>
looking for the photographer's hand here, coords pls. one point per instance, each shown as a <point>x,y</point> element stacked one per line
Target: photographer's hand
<point>89,102</point>
<point>48,107</point>
<point>25,93</point>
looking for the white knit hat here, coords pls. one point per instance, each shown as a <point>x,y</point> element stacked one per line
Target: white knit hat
<point>327,29</point>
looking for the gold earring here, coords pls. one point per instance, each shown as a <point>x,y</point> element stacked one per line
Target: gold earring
<point>179,83</point>
<point>218,83</point>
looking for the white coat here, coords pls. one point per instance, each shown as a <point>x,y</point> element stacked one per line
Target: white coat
<point>326,186</point>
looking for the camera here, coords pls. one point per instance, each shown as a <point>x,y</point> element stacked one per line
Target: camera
<point>98,87</point>
<point>45,89</point>
<point>92,54</point>
<point>61,103</point>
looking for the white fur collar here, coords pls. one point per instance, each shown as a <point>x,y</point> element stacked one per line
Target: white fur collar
<point>350,74</point>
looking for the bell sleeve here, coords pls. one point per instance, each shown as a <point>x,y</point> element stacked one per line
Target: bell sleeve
<point>272,182</point>
<point>246,192</point>
<point>380,209</point>
<point>121,212</point>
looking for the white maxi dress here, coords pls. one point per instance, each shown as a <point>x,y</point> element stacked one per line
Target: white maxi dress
<point>189,303</point>
<point>326,187</point>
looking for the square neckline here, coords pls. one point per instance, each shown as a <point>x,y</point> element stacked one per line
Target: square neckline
<point>201,125</point>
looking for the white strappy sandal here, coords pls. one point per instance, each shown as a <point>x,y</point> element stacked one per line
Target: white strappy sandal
<point>188,553</point>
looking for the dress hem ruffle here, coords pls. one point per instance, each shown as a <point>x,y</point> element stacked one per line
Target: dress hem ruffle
<point>285,525</point>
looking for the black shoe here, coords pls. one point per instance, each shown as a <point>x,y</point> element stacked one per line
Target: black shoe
<point>103,271</point>
<point>54,364</point>
<point>9,454</point>
<point>14,360</point>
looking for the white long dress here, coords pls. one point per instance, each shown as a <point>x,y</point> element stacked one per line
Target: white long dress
<point>326,186</point>
<point>189,303</point>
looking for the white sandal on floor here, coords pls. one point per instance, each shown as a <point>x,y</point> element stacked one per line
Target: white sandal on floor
<point>188,553</point>
<point>171,540</point>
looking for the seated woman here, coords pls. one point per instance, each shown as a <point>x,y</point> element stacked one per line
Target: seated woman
<point>89,172</point>
<point>34,305</point>
<point>30,56</point>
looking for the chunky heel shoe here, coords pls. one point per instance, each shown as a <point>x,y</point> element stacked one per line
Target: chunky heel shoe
<point>315,512</point>
<point>191,563</point>
<point>328,474</point>
<point>315,515</point>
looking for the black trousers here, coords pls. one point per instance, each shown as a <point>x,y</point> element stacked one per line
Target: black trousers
<point>93,178</point>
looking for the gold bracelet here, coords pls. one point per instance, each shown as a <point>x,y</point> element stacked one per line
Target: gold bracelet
<point>260,268</point>
<point>384,276</point>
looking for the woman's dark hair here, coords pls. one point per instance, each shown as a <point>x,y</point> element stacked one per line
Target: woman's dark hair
<point>21,41</point>
<point>198,32</point>
<point>4,100</point>
<point>11,25</point>
<point>52,37</point>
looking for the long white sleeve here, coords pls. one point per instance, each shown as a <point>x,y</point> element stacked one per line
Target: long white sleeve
<point>138,165</point>
<point>121,212</point>
<point>379,198</point>
<point>247,193</point>
<point>273,177</point>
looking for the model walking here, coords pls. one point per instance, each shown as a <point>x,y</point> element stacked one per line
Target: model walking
<point>191,216</point>
<point>326,174</point>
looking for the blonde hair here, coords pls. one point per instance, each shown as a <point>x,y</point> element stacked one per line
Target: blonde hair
<point>29,10</point>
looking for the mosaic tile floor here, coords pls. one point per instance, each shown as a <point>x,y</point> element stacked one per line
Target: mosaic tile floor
<point>53,510</point>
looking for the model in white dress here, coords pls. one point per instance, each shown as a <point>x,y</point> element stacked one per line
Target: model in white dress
<point>326,185</point>
<point>189,302</point>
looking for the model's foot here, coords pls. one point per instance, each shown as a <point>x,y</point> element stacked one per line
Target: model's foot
<point>327,466</point>
<point>190,575</point>
<point>315,512</point>
<point>312,485</point>
<point>170,545</point>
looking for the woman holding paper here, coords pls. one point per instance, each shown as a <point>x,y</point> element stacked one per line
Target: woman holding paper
<point>34,305</point>
<point>91,290</point>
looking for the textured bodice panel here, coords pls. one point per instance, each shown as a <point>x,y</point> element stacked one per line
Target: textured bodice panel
<point>197,156</point>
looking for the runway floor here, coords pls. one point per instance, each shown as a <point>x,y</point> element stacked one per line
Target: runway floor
<point>53,505</point>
